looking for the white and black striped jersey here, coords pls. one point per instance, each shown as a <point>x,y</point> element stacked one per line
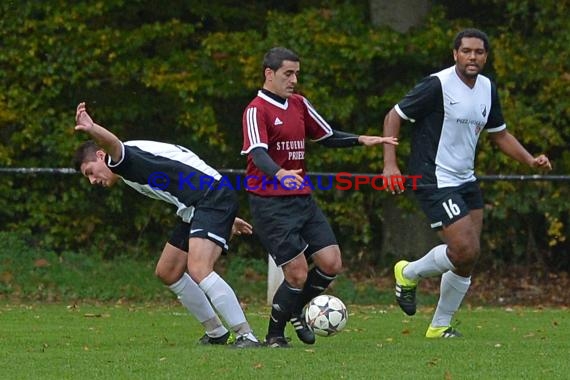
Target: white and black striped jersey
<point>167,172</point>
<point>448,117</point>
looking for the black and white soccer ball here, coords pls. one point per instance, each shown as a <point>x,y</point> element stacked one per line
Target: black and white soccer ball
<point>326,315</point>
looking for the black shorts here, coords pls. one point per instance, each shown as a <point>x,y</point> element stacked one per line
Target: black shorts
<point>213,220</point>
<point>290,225</point>
<point>446,205</point>
<point>180,235</point>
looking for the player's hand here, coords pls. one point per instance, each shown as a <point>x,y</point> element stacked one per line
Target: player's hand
<point>241,227</point>
<point>290,179</point>
<point>83,121</point>
<point>376,140</point>
<point>542,162</point>
<point>395,180</point>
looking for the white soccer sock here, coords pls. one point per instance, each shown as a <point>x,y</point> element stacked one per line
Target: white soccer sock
<point>452,291</point>
<point>225,301</point>
<point>217,331</point>
<point>195,301</point>
<point>433,263</point>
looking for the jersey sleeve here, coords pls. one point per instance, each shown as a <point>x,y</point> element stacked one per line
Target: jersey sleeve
<point>496,121</point>
<point>317,127</point>
<point>254,129</point>
<point>421,100</point>
<point>126,166</point>
<point>113,165</point>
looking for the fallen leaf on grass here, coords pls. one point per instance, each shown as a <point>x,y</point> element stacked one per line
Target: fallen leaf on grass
<point>433,362</point>
<point>96,315</point>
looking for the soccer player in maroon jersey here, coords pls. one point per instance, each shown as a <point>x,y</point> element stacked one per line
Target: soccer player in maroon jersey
<point>286,218</point>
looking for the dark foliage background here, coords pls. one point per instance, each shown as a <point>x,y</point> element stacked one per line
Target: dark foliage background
<point>184,73</point>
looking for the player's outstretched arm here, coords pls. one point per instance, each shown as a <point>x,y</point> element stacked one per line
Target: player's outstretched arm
<point>340,139</point>
<point>376,140</point>
<point>509,145</point>
<point>104,138</point>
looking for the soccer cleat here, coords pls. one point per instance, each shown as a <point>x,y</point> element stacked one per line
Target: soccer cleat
<point>206,339</point>
<point>245,341</point>
<point>442,332</point>
<point>405,289</point>
<point>304,333</point>
<point>277,342</point>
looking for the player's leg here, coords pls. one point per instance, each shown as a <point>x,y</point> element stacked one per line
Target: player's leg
<point>171,270</point>
<point>277,222</point>
<point>459,252</point>
<point>328,264</point>
<point>325,254</point>
<point>209,234</point>
<point>317,282</point>
<point>463,250</point>
<point>203,254</point>
<point>286,299</point>
<point>444,208</point>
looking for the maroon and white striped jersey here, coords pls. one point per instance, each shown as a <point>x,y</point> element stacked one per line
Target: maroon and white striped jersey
<point>282,129</point>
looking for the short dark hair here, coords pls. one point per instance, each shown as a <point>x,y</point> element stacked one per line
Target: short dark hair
<point>471,33</point>
<point>85,153</point>
<point>274,58</point>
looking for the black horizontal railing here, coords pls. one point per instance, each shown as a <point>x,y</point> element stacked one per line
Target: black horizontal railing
<point>490,178</point>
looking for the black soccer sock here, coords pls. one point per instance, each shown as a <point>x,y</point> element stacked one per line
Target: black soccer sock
<point>285,298</point>
<point>317,282</point>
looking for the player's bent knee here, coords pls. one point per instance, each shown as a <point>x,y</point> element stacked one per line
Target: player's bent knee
<point>164,277</point>
<point>331,268</point>
<point>198,274</point>
<point>464,257</point>
<point>329,261</point>
<point>296,280</point>
<point>168,271</point>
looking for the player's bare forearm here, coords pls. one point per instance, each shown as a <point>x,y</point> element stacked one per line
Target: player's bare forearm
<point>509,145</point>
<point>108,141</point>
<point>392,124</point>
<point>103,137</point>
<point>376,140</point>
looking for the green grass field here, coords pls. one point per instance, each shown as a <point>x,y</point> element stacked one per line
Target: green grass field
<point>159,341</point>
